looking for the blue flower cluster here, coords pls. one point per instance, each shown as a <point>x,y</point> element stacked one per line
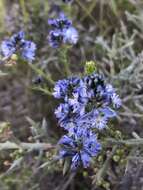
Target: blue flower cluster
<point>80,147</point>
<point>17,44</point>
<point>88,104</point>
<point>63,32</point>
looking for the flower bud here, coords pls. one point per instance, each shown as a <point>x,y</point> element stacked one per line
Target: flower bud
<point>90,67</point>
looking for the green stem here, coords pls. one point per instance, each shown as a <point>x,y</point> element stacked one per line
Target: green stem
<point>130,142</point>
<point>25,146</point>
<point>41,73</point>
<point>86,11</point>
<point>25,13</point>
<point>102,172</point>
<point>45,91</point>
<point>44,146</point>
<point>64,60</point>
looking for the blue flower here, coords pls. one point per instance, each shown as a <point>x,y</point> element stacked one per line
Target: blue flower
<point>70,35</point>
<point>97,118</point>
<point>11,45</point>
<point>65,88</point>
<point>116,100</point>
<point>76,106</point>
<point>62,31</point>
<point>61,89</point>
<point>17,44</point>
<point>108,112</point>
<point>67,115</point>
<point>95,86</point>
<point>80,148</point>
<point>60,23</point>
<point>88,102</point>
<point>55,38</point>
<point>7,48</point>
<point>28,51</point>
<point>62,112</point>
<point>109,89</point>
<point>18,38</point>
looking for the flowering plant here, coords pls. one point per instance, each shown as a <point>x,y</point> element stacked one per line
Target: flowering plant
<point>81,105</point>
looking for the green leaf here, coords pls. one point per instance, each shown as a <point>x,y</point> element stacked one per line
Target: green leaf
<point>66,167</point>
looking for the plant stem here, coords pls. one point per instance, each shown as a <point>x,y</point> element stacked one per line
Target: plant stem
<point>86,11</point>
<point>130,142</point>
<point>25,146</point>
<point>44,91</point>
<point>25,13</point>
<point>40,72</point>
<point>64,60</point>
<point>102,172</point>
<point>47,146</point>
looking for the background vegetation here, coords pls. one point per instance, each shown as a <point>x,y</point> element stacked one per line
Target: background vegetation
<point>111,34</point>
